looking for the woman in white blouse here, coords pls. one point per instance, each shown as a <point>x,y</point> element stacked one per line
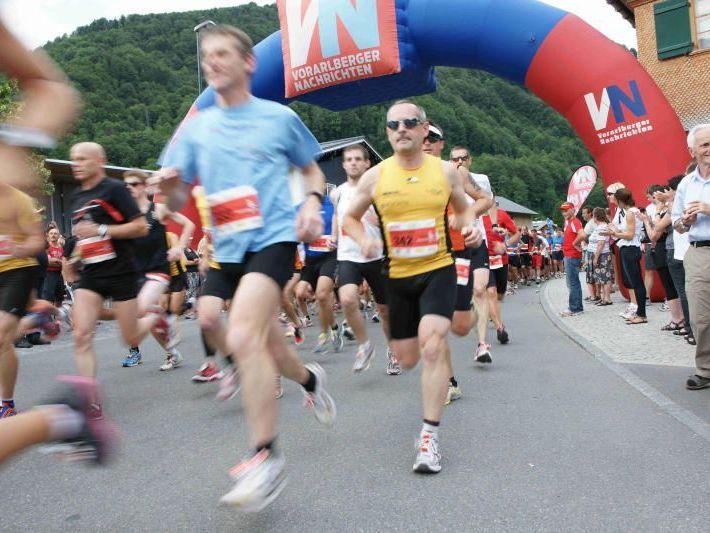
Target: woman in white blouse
<point>626,229</point>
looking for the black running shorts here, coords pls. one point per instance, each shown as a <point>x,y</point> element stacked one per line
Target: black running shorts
<point>353,273</point>
<point>317,266</point>
<point>409,299</point>
<point>53,287</point>
<point>16,288</point>
<point>498,278</point>
<point>479,257</point>
<point>119,288</point>
<point>274,261</point>
<point>177,283</point>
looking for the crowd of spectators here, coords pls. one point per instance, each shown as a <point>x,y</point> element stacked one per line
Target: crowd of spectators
<point>670,235</point>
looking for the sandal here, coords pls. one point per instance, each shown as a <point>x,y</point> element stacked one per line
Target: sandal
<point>696,382</point>
<point>682,332</point>
<point>673,326</point>
<point>637,320</point>
<point>690,339</point>
<point>603,303</point>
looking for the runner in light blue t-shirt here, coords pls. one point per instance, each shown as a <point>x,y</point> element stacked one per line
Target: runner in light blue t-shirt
<point>242,150</point>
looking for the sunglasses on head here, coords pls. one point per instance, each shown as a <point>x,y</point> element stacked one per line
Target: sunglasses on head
<point>434,137</point>
<point>460,158</point>
<point>133,183</point>
<point>409,123</point>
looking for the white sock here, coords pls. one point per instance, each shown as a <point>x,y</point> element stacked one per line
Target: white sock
<point>428,428</point>
<point>64,422</point>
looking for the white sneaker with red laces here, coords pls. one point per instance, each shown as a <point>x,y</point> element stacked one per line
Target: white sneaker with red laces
<point>229,385</point>
<point>207,373</point>
<point>428,459</point>
<point>259,480</point>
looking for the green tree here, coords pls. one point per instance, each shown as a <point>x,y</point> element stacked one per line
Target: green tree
<point>8,106</point>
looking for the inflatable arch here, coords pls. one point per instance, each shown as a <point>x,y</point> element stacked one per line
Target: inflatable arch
<point>611,102</point>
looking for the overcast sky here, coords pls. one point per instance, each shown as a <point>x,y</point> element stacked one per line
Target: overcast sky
<point>39,21</point>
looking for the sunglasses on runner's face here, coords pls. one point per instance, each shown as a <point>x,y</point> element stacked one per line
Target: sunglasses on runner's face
<point>133,183</point>
<point>433,137</point>
<point>460,158</point>
<point>409,123</point>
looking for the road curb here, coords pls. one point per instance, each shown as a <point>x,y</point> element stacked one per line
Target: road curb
<point>681,414</point>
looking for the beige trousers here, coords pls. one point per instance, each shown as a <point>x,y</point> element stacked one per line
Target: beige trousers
<point>697,287</point>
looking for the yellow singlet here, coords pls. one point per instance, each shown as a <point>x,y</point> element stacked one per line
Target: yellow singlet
<point>16,210</point>
<point>198,192</point>
<point>411,205</point>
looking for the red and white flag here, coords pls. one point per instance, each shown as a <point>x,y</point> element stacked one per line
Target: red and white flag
<point>583,181</point>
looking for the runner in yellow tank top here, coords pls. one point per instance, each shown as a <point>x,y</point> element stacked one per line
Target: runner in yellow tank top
<point>410,192</point>
<point>411,204</point>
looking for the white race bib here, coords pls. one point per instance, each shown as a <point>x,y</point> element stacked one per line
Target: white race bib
<point>415,238</point>
<point>496,261</point>
<point>96,250</point>
<point>463,271</point>
<point>235,210</point>
<point>320,245</point>
<point>5,247</point>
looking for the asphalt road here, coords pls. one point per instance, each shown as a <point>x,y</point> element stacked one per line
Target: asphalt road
<point>545,439</point>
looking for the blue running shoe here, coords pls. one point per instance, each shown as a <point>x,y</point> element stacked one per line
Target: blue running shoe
<point>134,358</point>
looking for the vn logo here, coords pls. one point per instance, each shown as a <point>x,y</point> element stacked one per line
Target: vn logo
<point>613,98</point>
<point>360,19</point>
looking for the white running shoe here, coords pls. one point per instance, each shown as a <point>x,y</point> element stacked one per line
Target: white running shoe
<point>321,344</point>
<point>629,312</point>
<point>393,368</point>
<point>259,479</point>
<point>172,361</point>
<point>228,385</point>
<point>483,353</point>
<point>428,459</point>
<point>363,357</point>
<point>336,339</point>
<point>319,400</point>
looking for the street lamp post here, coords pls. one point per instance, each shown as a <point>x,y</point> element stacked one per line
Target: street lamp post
<point>197,29</point>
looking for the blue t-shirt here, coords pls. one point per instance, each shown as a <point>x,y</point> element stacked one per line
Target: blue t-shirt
<point>318,248</point>
<point>242,156</point>
<point>556,243</point>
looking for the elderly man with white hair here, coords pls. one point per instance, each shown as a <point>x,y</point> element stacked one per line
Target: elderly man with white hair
<point>691,214</point>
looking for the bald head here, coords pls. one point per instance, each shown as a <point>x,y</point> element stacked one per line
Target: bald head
<point>90,148</point>
<point>88,159</point>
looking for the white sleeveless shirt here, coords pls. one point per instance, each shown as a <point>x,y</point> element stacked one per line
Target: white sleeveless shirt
<point>349,249</point>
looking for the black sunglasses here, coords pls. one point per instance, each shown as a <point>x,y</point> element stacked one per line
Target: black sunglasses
<point>132,183</point>
<point>460,158</point>
<point>610,194</point>
<point>434,137</point>
<point>409,123</point>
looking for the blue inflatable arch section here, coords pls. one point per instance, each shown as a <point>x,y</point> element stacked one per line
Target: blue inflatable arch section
<point>612,103</point>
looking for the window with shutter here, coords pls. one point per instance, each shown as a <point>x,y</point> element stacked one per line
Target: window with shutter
<point>702,18</point>
<point>673,31</point>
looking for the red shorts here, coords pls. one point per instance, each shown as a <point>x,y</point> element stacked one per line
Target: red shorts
<point>537,261</point>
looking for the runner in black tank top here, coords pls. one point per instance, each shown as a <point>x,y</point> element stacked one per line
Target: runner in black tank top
<point>153,258</point>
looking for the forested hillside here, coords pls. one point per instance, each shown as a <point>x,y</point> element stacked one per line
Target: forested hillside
<point>138,78</point>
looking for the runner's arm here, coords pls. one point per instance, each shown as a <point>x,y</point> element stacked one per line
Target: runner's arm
<point>33,244</point>
<point>169,183</point>
<point>50,103</point>
<point>132,229</point>
<point>188,226</point>
<point>483,201</point>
